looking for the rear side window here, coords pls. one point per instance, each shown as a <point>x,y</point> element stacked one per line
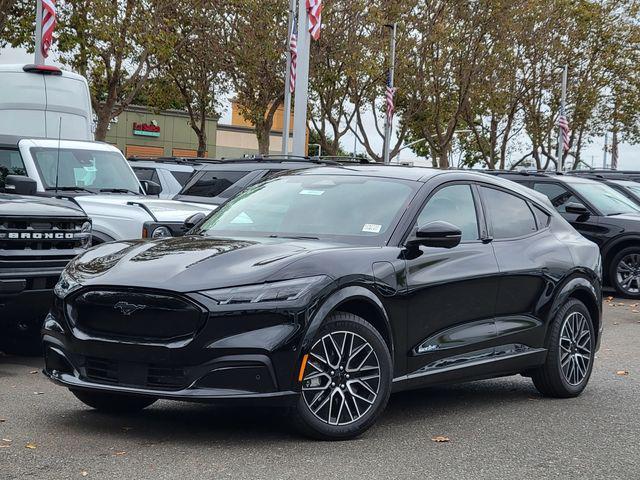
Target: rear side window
<point>182,177</point>
<point>509,215</point>
<point>558,195</point>
<point>10,164</point>
<point>542,218</point>
<point>144,173</point>
<point>453,204</point>
<point>212,184</point>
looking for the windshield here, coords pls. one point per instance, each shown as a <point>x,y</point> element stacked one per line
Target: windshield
<point>351,209</point>
<point>607,200</point>
<point>633,187</point>
<point>93,170</point>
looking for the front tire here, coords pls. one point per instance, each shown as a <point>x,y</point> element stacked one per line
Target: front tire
<point>570,353</point>
<point>112,402</point>
<point>347,380</point>
<point>625,272</point>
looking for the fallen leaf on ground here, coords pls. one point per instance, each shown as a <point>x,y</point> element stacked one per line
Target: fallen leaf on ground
<point>8,440</point>
<point>38,393</point>
<point>120,453</point>
<point>615,323</point>
<point>5,446</point>
<point>622,373</point>
<point>83,473</point>
<point>2,420</point>
<point>609,299</point>
<point>635,311</point>
<point>33,372</point>
<point>440,439</point>
<point>31,446</point>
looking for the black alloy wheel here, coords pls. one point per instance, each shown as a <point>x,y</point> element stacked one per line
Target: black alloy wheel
<point>625,272</point>
<point>570,353</point>
<point>347,379</point>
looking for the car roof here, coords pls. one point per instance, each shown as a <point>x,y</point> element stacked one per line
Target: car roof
<point>175,167</point>
<point>541,176</point>
<point>19,68</point>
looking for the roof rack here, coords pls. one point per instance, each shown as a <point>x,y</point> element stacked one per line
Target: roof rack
<point>343,159</point>
<point>180,160</point>
<point>276,159</point>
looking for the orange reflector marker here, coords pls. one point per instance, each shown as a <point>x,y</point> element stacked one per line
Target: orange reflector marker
<point>302,367</point>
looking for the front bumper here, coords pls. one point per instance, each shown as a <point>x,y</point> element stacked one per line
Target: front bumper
<point>234,355</point>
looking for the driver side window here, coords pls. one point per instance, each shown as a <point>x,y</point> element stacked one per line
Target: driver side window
<point>453,204</point>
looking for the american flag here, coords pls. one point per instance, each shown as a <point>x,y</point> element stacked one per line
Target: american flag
<point>563,123</point>
<point>389,94</point>
<point>48,25</point>
<point>314,12</point>
<point>293,50</point>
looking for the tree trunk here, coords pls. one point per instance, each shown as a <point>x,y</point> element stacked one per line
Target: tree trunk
<point>102,124</point>
<point>202,143</point>
<point>443,159</point>
<point>264,139</point>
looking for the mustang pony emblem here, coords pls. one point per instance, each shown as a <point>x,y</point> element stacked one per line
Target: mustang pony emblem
<point>127,308</point>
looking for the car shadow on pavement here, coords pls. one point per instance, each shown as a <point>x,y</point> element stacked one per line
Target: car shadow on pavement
<point>194,423</point>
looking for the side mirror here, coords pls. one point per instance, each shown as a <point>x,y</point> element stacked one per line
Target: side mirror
<point>20,185</point>
<point>193,220</point>
<point>436,234</point>
<point>576,208</point>
<point>151,188</point>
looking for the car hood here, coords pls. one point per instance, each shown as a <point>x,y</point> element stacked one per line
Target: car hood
<point>190,263</point>
<point>23,206</point>
<point>624,217</point>
<point>163,210</point>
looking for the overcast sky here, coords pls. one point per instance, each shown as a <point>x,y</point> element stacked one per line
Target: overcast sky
<point>629,154</point>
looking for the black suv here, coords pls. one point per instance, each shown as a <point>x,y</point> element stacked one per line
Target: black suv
<point>600,213</point>
<point>625,183</point>
<point>38,237</point>
<point>216,181</point>
<point>327,288</point>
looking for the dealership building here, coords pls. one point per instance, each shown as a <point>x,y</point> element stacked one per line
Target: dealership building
<point>140,131</point>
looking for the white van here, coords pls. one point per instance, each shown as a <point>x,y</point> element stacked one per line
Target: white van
<point>43,101</point>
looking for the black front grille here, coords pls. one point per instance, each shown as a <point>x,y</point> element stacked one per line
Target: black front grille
<point>20,233</point>
<point>134,315</point>
<point>128,374</point>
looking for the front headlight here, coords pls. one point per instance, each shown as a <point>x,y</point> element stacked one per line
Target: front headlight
<point>66,285</point>
<point>285,291</point>
<point>161,232</point>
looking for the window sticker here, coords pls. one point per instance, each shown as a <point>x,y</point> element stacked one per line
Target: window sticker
<point>371,228</point>
<point>242,218</point>
<point>311,192</point>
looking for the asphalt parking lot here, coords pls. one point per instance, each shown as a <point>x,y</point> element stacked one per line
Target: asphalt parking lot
<point>496,428</point>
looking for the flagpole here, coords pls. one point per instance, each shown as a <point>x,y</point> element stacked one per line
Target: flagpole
<point>563,99</point>
<point>38,57</point>
<point>302,83</point>
<point>388,125</point>
<point>287,80</point>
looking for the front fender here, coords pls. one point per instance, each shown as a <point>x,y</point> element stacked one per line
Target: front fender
<point>333,303</point>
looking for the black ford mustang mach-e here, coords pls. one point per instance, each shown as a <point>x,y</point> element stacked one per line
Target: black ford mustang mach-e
<point>327,289</point>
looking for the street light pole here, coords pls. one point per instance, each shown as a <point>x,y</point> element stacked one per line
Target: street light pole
<point>388,126</point>
<point>287,82</point>
<point>38,57</point>
<point>302,83</point>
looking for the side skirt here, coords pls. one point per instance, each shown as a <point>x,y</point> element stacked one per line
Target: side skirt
<point>495,366</point>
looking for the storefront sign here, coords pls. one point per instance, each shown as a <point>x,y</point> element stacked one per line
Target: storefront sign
<point>146,129</point>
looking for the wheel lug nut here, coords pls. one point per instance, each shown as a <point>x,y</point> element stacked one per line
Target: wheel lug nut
<point>341,367</point>
<point>332,372</point>
<point>333,384</point>
<point>342,386</point>
<point>347,375</point>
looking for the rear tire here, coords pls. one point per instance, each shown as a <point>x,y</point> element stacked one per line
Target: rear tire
<point>570,353</point>
<point>624,272</point>
<point>347,380</point>
<point>112,402</point>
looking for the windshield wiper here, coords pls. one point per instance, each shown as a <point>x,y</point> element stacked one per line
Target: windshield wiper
<point>69,189</point>
<point>118,190</point>
<point>294,237</point>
